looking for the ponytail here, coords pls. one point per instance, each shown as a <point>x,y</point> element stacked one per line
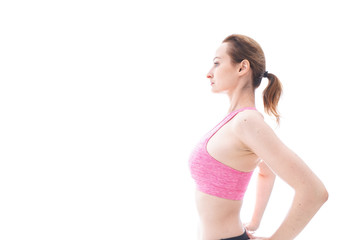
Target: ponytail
<point>271,95</point>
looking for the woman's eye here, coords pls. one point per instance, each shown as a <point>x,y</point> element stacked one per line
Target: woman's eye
<point>216,63</point>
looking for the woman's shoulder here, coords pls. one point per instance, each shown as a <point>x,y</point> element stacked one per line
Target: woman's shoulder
<point>249,115</point>
<point>248,119</point>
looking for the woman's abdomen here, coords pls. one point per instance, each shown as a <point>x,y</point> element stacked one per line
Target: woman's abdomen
<point>219,218</point>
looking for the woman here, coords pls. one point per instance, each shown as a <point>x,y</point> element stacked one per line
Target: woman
<point>223,161</point>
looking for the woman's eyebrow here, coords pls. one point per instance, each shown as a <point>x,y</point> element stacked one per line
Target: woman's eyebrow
<point>215,58</point>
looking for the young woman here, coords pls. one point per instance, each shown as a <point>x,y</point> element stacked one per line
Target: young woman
<point>225,158</point>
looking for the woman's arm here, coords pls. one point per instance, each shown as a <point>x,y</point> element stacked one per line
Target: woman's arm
<point>264,186</point>
<point>310,193</point>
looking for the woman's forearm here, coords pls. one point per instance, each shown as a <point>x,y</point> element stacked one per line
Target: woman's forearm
<point>264,188</point>
<point>303,208</point>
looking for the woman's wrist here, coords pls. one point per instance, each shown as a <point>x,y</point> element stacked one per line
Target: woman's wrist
<point>252,226</point>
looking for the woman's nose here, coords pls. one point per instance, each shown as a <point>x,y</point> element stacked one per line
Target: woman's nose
<point>209,75</point>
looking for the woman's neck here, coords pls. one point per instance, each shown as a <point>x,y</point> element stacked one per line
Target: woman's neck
<point>241,99</point>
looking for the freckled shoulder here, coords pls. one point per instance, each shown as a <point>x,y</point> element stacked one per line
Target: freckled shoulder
<point>245,119</point>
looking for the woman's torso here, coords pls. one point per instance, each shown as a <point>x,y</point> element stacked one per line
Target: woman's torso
<point>220,218</point>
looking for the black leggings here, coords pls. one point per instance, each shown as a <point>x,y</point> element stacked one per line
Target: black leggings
<point>244,236</point>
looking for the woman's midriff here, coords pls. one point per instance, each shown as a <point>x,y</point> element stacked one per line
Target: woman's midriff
<point>219,218</point>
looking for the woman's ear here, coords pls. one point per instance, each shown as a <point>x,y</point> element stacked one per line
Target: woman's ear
<point>244,65</point>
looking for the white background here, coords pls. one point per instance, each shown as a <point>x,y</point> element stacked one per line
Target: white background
<point>101,103</point>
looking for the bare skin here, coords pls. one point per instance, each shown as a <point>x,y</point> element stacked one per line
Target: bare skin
<point>220,217</point>
<point>240,144</point>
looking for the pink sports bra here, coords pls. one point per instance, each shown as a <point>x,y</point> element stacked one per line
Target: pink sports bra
<point>213,177</point>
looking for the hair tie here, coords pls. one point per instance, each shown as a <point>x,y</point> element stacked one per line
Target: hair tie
<point>265,75</point>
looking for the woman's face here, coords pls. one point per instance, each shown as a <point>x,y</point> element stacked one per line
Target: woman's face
<point>224,74</point>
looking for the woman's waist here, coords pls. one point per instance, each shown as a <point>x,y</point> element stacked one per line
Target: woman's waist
<point>212,209</point>
<point>220,230</point>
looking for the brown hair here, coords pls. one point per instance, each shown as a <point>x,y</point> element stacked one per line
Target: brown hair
<point>242,47</point>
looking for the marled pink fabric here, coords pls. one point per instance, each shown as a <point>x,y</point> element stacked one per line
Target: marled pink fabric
<point>213,177</point>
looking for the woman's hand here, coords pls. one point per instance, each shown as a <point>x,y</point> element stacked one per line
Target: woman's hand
<point>251,227</point>
<point>251,236</point>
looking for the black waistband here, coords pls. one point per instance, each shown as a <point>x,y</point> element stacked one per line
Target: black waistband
<point>244,236</point>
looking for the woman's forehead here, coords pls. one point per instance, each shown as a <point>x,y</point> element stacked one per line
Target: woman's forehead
<point>221,51</point>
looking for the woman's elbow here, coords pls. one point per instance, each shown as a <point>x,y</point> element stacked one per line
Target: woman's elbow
<point>320,194</point>
<point>314,193</point>
<point>324,195</point>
